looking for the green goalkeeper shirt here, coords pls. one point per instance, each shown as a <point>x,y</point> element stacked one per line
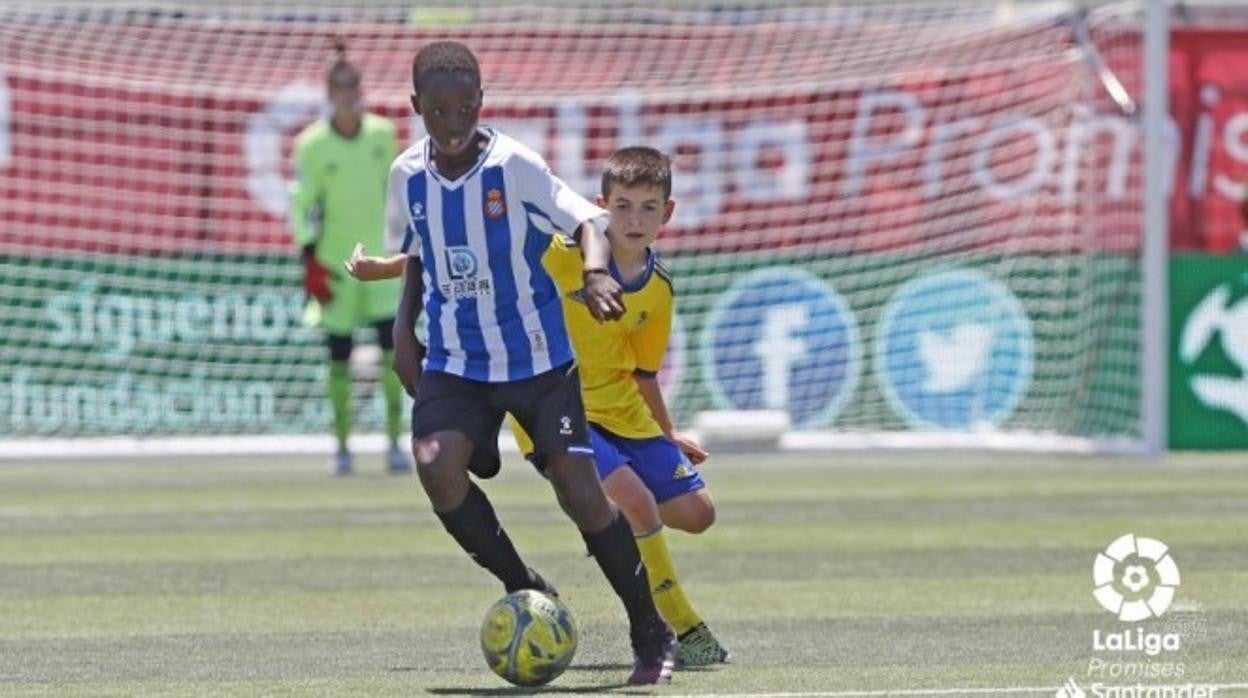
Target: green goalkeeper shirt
<point>340,195</point>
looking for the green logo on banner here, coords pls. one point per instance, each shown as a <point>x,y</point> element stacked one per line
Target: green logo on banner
<point>1209,352</point>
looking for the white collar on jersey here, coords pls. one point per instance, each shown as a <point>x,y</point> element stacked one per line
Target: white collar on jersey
<point>432,167</point>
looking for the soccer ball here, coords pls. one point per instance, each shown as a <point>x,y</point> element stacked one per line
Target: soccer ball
<point>528,637</point>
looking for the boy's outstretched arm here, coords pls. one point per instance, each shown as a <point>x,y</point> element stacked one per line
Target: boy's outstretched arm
<point>653,395</point>
<point>367,268</point>
<point>603,295</point>
<point>408,351</point>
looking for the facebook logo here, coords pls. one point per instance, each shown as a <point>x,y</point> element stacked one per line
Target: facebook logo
<point>954,351</point>
<point>781,338</point>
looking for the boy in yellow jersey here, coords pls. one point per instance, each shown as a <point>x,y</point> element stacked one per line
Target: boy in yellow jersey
<point>646,466</point>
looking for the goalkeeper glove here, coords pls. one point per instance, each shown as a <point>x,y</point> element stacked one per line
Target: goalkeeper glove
<point>315,276</point>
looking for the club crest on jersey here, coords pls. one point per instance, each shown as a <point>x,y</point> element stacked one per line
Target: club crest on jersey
<point>495,206</point>
<point>418,211</point>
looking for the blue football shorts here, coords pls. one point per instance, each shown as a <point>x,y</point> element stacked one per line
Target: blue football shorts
<point>658,461</point>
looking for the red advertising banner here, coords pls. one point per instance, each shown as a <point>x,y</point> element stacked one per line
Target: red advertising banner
<point>178,139</point>
<point>1209,106</point>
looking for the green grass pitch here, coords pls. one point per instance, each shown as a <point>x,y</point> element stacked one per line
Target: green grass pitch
<point>837,574</point>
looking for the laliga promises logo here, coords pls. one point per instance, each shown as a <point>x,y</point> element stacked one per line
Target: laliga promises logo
<point>1135,578</point>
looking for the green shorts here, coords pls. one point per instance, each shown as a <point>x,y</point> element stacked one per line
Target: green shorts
<point>358,303</point>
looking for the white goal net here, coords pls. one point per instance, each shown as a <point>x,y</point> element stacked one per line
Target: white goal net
<point>892,219</point>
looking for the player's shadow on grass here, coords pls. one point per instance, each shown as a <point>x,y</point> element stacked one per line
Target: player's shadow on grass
<point>525,690</point>
<point>522,690</point>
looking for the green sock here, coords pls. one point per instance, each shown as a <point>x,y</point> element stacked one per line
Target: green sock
<point>393,390</point>
<point>340,399</point>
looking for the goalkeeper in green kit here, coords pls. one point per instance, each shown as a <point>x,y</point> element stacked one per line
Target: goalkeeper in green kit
<point>343,165</point>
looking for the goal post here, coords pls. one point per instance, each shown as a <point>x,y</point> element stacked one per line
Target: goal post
<point>1155,328</point>
<point>930,224</point>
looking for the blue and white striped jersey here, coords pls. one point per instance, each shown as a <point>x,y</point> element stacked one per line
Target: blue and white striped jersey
<point>493,311</point>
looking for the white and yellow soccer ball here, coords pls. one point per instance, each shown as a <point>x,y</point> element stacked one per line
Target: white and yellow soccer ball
<point>528,637</point>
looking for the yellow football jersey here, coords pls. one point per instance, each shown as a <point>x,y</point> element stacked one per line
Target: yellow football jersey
<point>608,354</point>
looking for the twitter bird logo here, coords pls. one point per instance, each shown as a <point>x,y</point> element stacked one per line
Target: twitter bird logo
<point>954,351</point>
<point>952,361</point>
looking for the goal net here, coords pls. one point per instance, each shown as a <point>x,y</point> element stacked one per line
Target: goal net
<point>893,221</point>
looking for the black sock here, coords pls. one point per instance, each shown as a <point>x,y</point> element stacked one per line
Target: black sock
<point>615,549</point>
<point>475,527</point>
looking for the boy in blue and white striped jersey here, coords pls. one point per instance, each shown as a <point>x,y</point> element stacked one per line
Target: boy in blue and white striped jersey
<point>475,210</point>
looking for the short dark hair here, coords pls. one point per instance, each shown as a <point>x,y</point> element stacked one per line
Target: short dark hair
<point>341,66</point>
<point>443,57</point>
<point>635,165</point>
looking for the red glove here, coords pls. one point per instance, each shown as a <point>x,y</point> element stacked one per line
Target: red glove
<point>315,277</point>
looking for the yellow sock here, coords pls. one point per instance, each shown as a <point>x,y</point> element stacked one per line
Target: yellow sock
<point>669,597</point>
